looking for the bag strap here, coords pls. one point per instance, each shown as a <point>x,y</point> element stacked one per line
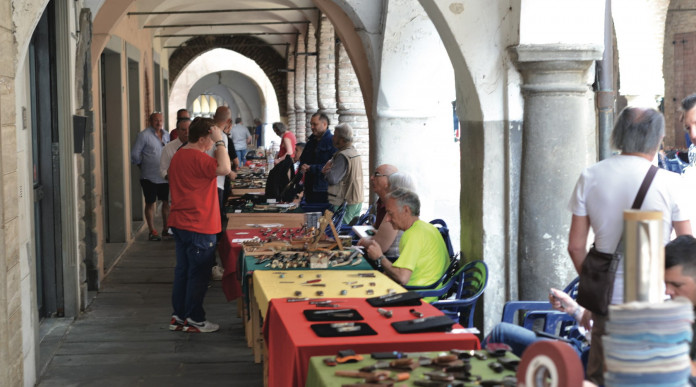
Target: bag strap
<point>640,196</point>
<point>638,202</point>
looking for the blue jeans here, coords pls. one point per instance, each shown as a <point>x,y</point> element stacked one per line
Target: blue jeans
<point>195,256</point>
<point>241,155</point>
<point>518,338</point>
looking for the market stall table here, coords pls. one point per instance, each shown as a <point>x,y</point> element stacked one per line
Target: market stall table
<point>291,342</point>
<point>249,265</point>
<point>267,285</point>
<point>238,192</point>
<point>238,228</point>
<point>230,249</point>
<point>251,220</point>
<point>321,375</point>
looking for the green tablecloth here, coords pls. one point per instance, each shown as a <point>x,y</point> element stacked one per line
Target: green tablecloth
<point>320,374</point>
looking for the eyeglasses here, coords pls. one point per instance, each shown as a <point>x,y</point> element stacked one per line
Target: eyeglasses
<point>377,174</point>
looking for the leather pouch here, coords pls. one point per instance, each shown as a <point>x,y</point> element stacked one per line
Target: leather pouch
<point>396,299</point>
<point>425,324</point>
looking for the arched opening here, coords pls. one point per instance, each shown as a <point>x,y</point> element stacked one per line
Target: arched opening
<point>232,76</point>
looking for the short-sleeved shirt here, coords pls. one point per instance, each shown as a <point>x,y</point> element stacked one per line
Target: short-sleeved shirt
<point>211,153</point>
<point>167,154</point>
<point>239,134</point>
<point>293,141</point>
<point>604,190</point>
<point>423,251</point>
<point>147,152</point>
<point>193,187</point>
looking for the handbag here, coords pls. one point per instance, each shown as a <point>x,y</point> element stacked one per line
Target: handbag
<point>598,271</point>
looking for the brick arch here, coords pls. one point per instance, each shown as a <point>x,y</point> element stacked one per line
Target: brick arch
<point>253,48</point>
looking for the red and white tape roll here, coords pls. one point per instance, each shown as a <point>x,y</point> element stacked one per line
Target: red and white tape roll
<point>550,363</point>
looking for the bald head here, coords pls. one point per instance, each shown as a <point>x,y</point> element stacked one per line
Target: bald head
<point>222,114</point>
<point>380,179</point>
<point>387,169</point>
<point>223,118</point>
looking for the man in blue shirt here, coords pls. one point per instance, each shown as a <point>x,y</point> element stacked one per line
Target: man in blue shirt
<point>146,154</point>
<point>258,132</point>
<point>317,152</point>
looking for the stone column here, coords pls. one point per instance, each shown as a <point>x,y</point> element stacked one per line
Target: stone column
<point>301,128</point>
<point>351,109</point>
<point>326,69</point>
<point>292,124</point>
<point>558,141</point>
<point>310,75</point>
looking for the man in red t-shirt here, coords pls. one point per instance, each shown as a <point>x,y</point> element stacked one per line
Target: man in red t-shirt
<point>194,220</point>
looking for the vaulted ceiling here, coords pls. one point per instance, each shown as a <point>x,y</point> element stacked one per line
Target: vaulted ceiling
<point>262,30</point>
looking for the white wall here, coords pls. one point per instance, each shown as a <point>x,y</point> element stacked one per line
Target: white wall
<point>562,21</point>
<point>640,31</point>
<point>414,111</point>
<point>215,61</point>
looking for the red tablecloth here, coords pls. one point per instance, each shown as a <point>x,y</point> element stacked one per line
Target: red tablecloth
<point>291,341</point>
<point>229,255</point>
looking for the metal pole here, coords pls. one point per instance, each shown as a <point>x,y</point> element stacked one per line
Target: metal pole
<point>227,45</point>
<point>225,35</point>
<point>605,92</point>
<point>204,11</point>
<point>227,24</point>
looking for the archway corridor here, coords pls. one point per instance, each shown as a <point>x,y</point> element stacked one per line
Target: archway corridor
<point>491,106</point>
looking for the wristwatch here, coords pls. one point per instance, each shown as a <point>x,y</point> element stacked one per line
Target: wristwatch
<point>219,142</point>
<point>379,260</point>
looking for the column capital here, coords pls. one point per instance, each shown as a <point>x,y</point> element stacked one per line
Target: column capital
<point>554,67</point>
<point>556,52</point>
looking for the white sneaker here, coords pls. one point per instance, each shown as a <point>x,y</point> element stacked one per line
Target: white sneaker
<point>218,272</point>
<point>200,327</point>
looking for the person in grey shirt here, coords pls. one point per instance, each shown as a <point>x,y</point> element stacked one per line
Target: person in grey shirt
<point>146,154</point>
<point>241,138</point>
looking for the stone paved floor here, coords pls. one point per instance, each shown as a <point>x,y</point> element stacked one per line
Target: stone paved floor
<point>123,339</point>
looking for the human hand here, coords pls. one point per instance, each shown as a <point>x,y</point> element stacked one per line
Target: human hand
<point>365,242</point>
<point>327,167</point>
<point>232,175</point>
<point>304,168</point>
<point>374,251</point>
<point>215,133</point>
<point>561,301</point>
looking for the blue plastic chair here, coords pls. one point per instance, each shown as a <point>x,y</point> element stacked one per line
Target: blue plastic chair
<point>446,279</point>
<point>336,219</point>
<point>461,289</point>
<point>444,231</point>
<point>367,218</point>
<point>554,322</point>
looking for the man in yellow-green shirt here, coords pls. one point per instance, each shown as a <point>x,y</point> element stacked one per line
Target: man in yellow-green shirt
<point>423,255</point>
